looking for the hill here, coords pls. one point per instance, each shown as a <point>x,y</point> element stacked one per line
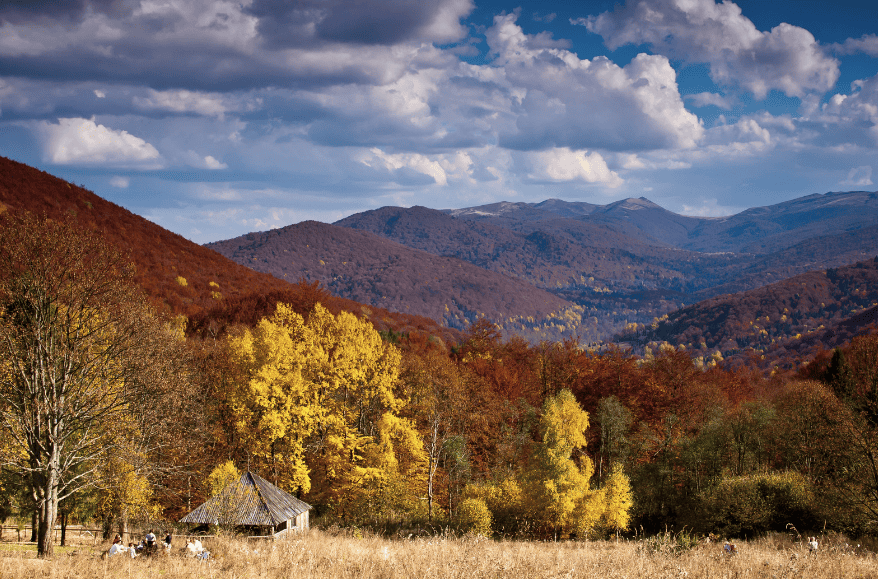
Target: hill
<point>179,276</point>
<point>632,261</point>
<point>784,321</point>
<point>367,268</point>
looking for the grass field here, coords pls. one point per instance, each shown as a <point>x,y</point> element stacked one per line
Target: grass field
<point>324,555</point>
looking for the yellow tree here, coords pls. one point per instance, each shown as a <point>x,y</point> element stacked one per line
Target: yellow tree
<point>618,501</point>
<point>273,405</point>
<point>315,403</point>
<point>360,440</point>
<point>556,483</point>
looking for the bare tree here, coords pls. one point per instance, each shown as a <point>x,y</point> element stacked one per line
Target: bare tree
<point>82,354</point>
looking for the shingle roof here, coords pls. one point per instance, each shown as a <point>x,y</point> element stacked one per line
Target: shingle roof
<point>251,500</point>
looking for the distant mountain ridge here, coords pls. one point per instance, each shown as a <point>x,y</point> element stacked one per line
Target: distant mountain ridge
<point>370,269</point>
<point>609,266</point>
<point>632,260</point>
<point>756,230</point>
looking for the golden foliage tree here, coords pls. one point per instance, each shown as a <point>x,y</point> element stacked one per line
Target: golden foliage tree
<point>558,490</point>
<point>556,482</point>
<point>315,404</point>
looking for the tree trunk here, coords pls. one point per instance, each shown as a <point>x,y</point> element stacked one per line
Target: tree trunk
<point>48,506</point>
<point>48,512</point>
<point>63,528</point>
<point>123,525</point>
<point>34,519</point>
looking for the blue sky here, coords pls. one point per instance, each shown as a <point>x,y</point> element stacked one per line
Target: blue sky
<point>214,118</point>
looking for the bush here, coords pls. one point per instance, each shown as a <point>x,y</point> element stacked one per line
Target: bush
<point>474,517</point>
<point>504,499</point>
<point>669,543</point>
<point>749,506</point>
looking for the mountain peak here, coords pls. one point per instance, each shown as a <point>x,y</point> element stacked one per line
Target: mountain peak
<point>633,204</point>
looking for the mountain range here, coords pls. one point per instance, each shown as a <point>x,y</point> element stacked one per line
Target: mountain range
<point>608,267</point>
<point>776,283</point>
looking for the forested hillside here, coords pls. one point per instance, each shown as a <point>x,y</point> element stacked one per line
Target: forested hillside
<point>375,271</point>
<point>787,320</point>
<point>178,276</point>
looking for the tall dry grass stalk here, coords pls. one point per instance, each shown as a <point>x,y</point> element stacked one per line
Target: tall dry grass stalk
<point>318,554</point>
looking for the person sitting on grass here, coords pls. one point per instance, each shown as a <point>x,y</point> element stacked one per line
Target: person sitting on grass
<point>167,542</point>
<point>730,549</point>
<point>131,550</point>
<point>115,549</point>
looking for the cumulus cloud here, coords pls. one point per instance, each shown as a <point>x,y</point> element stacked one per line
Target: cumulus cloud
<point>704,99</point>
<point>120,182</point>
<point>407,168</point>
<point>184,101</point>
<point>847,119</point>
<point>193,159</point>
<point>786,58</point>
<point>83,141</point>
<point>866,44</point>
<point>563,164</point>
<point>563,101</point>
<point>859,177</point>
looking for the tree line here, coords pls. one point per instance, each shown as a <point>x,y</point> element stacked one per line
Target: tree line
<point>111,411</point>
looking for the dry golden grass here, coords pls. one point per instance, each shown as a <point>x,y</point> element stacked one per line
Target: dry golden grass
<point>321,554</point>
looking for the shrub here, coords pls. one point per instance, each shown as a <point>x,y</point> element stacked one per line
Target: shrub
<point>749,506</point>
<point>474,517</point>
<point>669,543</point>
<point>505,502</point>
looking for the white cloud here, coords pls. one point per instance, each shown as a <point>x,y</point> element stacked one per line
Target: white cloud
<point>185,101</point>
<point>659,160</point>
<point>100,94</point>
<point>563,101</point>
<point>562,164</point>
<point>193,159</point>
<point>212,163</point>
<point>847,119</point>
<point>120,182</point>
<point>859,177</point>
<point>710,208</point>
<point>413,161</point>
<point>866,44</point>
<point>83,141</point>
<point>704,99</point>
<point>787,58</point>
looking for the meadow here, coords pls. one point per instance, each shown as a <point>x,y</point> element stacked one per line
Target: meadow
<point>347,555</point>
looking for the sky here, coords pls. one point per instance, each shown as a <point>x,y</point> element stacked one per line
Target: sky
<point>215,118</point>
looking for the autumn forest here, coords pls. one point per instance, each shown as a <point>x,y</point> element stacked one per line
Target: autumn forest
<point>132,386</point>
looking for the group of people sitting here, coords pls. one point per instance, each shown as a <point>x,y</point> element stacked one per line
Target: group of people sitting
<point>147,546</point>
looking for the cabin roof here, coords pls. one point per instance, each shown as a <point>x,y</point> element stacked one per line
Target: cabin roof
<point>251,501</point>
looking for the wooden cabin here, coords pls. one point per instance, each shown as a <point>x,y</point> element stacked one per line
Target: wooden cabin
<point>254,505</point>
